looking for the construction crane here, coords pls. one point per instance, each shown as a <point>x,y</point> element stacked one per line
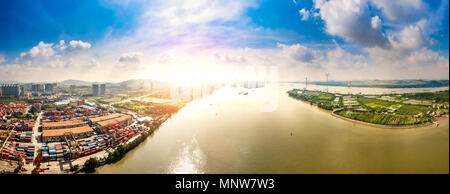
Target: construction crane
<point>20,163</point>
<point>37,163</point>
<point>77,145</point>
<point>68,144</point>
<point>8,132</point>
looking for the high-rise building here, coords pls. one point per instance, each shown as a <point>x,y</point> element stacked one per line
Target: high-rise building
<point>22,90</point>
<point>95,91</point>
<point>50,87</point>
<point>102,89</point>
<point>38,88</point>
<point>10,90</point>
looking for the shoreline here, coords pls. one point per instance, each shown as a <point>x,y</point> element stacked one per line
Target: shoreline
<point>383,126</point>
<point>149,132</point>
<point>366,123</point>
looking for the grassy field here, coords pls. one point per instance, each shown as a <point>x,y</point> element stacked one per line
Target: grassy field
<point>150,108</point>
<point>402,109</point>
<point>321,99</point>
<point>409,109</point>
<point>380,109</point>
<point>438,97</point>
<point>383,119</point>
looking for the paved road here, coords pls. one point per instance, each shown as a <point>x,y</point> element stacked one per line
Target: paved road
<point>35,141</point>
<point>36,134</point>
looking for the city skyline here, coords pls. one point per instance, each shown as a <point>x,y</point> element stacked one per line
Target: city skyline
<point>211,40</point>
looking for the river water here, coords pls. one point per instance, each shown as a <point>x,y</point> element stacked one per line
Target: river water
<point>229,132</point>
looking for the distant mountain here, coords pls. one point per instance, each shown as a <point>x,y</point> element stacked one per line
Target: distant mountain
<point>75,82</point>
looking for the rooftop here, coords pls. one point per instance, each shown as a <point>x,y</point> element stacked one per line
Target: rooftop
<point>62,123</point>
<point>106,117</point>
<point>60,132</point>
<point>114,121</point>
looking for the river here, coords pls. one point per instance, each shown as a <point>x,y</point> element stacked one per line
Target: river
<point>227,132</point>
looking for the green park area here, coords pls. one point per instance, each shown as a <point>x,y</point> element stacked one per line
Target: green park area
<point>383,119</point>
<point>150,108</point>
<point>389,109</point>
<point>321,99</point>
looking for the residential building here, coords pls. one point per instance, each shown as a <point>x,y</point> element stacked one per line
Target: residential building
<point>10,90</point>
<point>102,89</point>
<point>95,90</point>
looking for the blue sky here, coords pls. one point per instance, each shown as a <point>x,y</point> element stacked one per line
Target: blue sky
<point>352,39</point>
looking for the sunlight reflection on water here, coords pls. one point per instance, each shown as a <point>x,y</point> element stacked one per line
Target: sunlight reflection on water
<point>191,160</point>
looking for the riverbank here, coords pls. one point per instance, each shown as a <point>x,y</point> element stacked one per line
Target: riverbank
<point>372,110</point>
<point>366,123</point>
<point>382,126</point>
<point>120,151</point>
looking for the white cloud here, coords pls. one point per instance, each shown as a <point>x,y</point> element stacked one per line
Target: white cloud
<point>297,52</point>
<point>376,23</point>
<point>61,46</point>
<point>402,10</point>
<point>411,37</point>
<point>304,13</point>
<point>131,58</point>
<point>319,3</point>
<point>75,45</point>
<point>45,51</point>
<point>350,19</point>
<point>199,11</point>
<point>230,59</point>
<point>42,50</point>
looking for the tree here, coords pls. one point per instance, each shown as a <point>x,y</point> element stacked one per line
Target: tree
<point>91,164</point>
<point>75,167</point>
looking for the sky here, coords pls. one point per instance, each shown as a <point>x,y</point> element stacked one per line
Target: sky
<point>213,40</point>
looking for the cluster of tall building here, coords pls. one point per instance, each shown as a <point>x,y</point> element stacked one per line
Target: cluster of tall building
<point>48,87</point>
<point>96,90</point>
<point>18,90</point>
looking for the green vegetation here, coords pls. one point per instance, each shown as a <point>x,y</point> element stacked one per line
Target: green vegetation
<point>393,109</point>
<point>437,97</point>
<point>8,99</point>
<point>383,119</point>
<point>321,99</point>
<point>150,108</point>
<point>47,106</point>
<point>409,109</point>
<point>75,167</point>
<point>91,164</point>
<point>22,117</point>
<point>124,148</point>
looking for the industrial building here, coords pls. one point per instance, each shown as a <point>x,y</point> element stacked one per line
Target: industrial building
<point>104,122</point>
<point>59,134</point>
<point>62,124</point>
